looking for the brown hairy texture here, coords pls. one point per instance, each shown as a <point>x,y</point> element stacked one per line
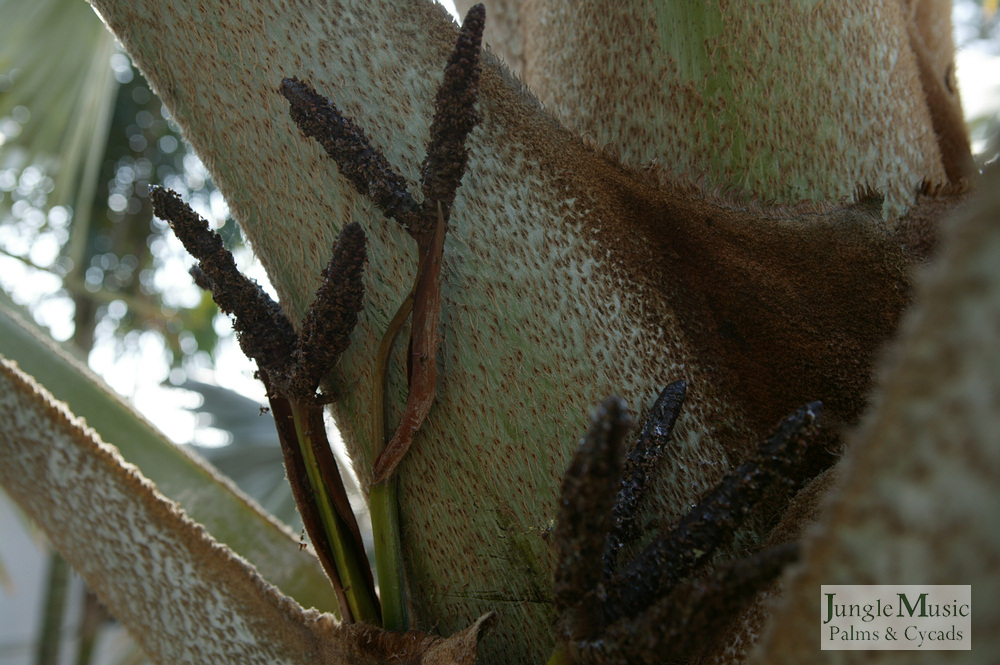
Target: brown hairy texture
<point>928,29</point>
<point>917,232</point>
<point>788,309</point>
<point>584,519</point>
<point>917,493</point>
<point>558,249</point>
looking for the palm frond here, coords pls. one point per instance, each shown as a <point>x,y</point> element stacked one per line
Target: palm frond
<point>57,92</point>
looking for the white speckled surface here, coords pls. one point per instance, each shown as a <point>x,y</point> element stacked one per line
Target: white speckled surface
<point>187,598</point>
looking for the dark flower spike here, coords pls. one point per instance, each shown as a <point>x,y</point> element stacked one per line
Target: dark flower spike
<point>327,326</point>
<point>357,159</point>
<point>588,495</point>
<point>653,611</point>
<point>291,367</point>
<point>642,460</point>
<point>454,117</point>
<point>673,629</point>
<point>369,172</point>
<point>201,280</point>
<point>712,523</point>
<point>442,174</point>
<point>264,332</point>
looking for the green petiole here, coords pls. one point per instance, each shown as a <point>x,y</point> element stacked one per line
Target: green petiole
<point>382,499</point>
<point>351,565</point>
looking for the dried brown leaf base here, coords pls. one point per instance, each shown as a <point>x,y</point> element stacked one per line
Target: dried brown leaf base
<point>662,606</point>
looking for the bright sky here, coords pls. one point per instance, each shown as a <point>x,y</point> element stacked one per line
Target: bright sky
<point>450,6</point>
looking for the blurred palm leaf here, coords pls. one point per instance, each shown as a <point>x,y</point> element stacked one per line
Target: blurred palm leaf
<point>253,458</point>
<point>56,94</point>
<point>6,583</point>
<point>207,498</point>
<point>79,129</point>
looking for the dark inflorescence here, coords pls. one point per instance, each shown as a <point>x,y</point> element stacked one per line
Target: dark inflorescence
<point>659,607</point>
<point>641,462</point>
<point>265,333</point>
<point>291,363</point>
<point>326,327</point>
<point>359,161</point>
<point>454,117</point>
<point>366,167</point>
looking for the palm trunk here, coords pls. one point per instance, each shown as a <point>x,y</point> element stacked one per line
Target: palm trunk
<point>568,276</point>
<point>782,101</point>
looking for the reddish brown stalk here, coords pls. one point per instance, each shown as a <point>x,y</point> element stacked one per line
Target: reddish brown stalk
<point>298,480</point>
<point>423,351</point>
<point>331,473</point>
<point>291,367</point>
<point>454,117</point>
